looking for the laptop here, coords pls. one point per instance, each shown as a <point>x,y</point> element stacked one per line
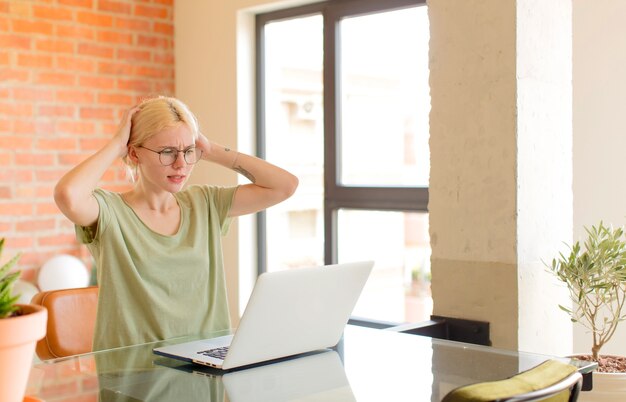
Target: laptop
<point>289,312</point>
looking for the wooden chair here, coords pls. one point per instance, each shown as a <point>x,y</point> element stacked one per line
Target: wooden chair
<point>549,381</point>
<point>71,321</point>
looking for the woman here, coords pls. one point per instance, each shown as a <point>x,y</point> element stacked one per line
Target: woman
<point>158,247</point>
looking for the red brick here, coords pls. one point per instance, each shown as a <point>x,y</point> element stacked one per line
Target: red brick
<point>24,127</point>
<point>48,208</point>
<point>34,60</point>
<point>116,68</point>
<point>30,159</point>
<point>49,175</point>
<point>77,3</point>
<point>20,8</point>
<point>96,82</point>
<point>24,192</point>
<point>16,109</point>
<point>53,13</point>
<point>153,41</point>
<point>57,144</point>
<point>76,32</point>
<point>165,2</point>
<point>6,158</point>
<point>76,127</point>
<point>14,209</point>
<point>115,37</point>
<point>164,28</point>
<point>115,99</point>
<point>32,27</point>
<point>44,192</point>
<point>9,74</point>
<point>5,58</point>
<point>114,6</point>
<point>56,79</point>
<point>133,24</point>
<point>166,58</point>
<point>56,46</point>
<point>75,96</point>
<point>71,159</point>
<point>76,64</point>
<point>94,19</point>
<point>133,55</point>
<point>5,192</point>
<point>96,113</point>
<point>34,225</point>
<point>92,144</point>
<point>151,12</point>
<point>95,50</point>
<point>135,85</point>
<point>56,110</point>
<point>4,7</point>
<point>165,88</point>
<point>15,142</point>
<point>32,93</point>
<point>154,72</point>
<point>15,42</point>
<point>15,242</point>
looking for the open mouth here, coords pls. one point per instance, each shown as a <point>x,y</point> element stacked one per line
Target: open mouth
<point>176,178</point>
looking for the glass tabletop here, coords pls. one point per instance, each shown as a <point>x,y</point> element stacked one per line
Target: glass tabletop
<point>367,365</point>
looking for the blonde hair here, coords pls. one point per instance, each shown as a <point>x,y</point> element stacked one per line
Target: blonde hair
<point>155,115</point>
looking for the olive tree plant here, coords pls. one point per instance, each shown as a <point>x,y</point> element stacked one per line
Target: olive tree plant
<point>595,275</point>
<point>7,279</point>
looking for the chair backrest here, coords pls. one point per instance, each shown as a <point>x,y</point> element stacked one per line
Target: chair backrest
<point>550,381</point>
<point>71,321</point>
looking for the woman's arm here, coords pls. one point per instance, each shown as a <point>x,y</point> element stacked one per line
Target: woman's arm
<point>270,184</point>
<point>73,194</point>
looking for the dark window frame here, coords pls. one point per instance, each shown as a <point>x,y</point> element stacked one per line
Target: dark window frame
<point>336,196</point>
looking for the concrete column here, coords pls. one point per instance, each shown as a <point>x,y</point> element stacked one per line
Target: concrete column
<point>501,168</point>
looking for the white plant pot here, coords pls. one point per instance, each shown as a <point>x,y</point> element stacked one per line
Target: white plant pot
<point>607,387</point>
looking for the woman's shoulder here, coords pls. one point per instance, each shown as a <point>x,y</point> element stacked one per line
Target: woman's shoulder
<point>108,196</point>
<point>207,191</point>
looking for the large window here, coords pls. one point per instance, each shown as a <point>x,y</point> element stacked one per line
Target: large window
<point>343,102</point>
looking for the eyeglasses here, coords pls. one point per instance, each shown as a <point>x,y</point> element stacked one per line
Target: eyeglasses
<point>168,156</point>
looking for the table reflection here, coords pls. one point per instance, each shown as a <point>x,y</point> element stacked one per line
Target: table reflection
<point>367,365</point>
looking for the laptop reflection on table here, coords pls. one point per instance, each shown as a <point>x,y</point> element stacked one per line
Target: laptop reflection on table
<point>317,377</point>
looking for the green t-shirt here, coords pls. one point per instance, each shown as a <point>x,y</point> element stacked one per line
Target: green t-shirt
<point>155,287</point>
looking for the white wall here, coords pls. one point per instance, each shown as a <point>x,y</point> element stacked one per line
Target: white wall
<point>214,52</point>
<point>599,110</point>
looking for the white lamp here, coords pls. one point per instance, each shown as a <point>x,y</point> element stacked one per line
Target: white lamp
<point>63,272</point>
<point>26,290</point>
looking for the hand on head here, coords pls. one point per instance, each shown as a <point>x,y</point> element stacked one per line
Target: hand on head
<point>123,130</point>
<point>203,143</point>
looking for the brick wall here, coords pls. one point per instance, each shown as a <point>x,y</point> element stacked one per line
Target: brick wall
<point>68,70</point>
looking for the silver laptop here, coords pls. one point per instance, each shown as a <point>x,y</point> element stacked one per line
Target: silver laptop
<point>289,312</point>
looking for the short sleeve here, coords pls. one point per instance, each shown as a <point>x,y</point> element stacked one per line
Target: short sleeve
<point>220,200</point>
<point>86,235</point>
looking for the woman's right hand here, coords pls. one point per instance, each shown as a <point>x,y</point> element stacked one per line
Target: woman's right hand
<point>123,131</point>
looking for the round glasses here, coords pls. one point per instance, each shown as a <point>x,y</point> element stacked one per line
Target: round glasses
<point>168,156</point>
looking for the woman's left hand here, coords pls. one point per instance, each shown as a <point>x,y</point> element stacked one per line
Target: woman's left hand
<point>203,144</point>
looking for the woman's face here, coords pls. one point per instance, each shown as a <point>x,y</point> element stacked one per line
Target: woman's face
<point>154,173</point>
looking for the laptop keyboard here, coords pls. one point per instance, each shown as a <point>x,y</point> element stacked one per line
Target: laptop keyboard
<point>218,353</point>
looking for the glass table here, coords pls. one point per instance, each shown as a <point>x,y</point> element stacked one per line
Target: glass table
<point>367,365</point>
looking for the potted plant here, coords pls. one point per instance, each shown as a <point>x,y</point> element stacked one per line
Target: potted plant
<point>595,275</point>
<point>21,326</point>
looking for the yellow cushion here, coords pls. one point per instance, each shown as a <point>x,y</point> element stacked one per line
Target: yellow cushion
<point>546,374</point>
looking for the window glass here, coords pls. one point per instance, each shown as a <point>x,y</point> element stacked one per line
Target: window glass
<point>385,99</point>
<point>398,289</point>
<point>294,139</point>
